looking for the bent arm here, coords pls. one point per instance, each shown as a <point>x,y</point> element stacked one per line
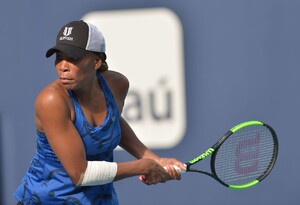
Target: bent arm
<point>133,145</point>
<point>53,117</point>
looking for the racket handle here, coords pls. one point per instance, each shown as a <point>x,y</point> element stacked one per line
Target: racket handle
<point>143,178</point>
<point>177,168</point>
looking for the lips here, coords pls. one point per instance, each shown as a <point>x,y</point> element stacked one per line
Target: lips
<point>65,80</point>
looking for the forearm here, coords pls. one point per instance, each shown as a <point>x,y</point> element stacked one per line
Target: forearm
<point>150,169</point>
<point>133,145</point>
<point>130,169</point>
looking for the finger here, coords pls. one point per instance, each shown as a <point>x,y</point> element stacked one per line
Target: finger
<point>143,179</point>
<point>182,167</point>
<point>177,173</point>
<point>172,173</point>
<point>147,181</point>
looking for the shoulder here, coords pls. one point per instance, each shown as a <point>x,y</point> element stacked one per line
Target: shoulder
<point>52,106</point>
<point>112,77</point>
<point>52,97</point>
<point>117,82</point>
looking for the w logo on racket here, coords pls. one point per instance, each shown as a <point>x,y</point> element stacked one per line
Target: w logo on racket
<point>247,155</point>
<point>68,31</point>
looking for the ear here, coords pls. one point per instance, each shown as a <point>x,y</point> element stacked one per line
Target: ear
<point>98,62</point>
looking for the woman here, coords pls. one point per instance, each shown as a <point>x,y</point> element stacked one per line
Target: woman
<point>78,121</point>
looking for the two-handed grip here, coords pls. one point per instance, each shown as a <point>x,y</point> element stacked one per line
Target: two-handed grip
<point>143,179</point>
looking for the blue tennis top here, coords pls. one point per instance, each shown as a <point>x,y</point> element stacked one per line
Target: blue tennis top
<point>46,181</point>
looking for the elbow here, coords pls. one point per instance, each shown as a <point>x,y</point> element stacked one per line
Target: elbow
<point>76,177</point>
<point>76,173</point>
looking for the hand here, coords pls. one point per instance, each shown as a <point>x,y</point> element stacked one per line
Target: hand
<point>168,164</point>
<point>155,174</point>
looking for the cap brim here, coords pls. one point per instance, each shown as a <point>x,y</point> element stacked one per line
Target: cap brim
<point>71,51</point>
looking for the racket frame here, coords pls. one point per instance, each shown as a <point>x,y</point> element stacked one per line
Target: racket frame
<point>212,151</point>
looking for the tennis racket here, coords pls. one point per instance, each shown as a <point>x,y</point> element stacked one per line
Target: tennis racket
<point>243,157</point>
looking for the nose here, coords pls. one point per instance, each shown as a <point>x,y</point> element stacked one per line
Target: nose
<point>63,67</point>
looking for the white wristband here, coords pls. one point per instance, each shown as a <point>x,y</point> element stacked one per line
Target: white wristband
<point>98,173</point>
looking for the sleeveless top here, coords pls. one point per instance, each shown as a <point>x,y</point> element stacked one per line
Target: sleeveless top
<point>46,181</point>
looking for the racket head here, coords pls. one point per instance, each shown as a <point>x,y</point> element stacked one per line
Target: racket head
<point>245,155</point>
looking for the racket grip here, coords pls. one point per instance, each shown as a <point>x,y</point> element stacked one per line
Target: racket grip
<point>177,168</point>
<point>143,178</point>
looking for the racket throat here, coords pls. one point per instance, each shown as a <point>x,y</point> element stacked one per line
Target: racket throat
<point>189,169</point>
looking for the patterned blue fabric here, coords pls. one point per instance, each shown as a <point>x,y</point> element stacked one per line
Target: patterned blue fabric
<point>46,181</point>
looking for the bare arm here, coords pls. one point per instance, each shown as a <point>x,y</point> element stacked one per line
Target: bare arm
<point>129,140</point>
<point>53,117</point>
<point>147,161</point>
<point>135,147</point>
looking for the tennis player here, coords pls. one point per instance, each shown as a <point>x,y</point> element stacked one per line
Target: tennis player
<point>79,124</point>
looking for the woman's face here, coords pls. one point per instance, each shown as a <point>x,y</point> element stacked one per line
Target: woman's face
<point>74,74</point>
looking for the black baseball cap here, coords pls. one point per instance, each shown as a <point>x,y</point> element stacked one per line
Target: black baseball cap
<point>77,38</point>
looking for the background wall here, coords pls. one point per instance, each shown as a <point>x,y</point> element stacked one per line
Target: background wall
<point>241,63</point>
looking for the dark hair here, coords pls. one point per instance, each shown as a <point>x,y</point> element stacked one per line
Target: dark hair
<point>104,65</point>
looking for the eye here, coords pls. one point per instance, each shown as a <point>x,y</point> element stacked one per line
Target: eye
<point>61,56</point>
<point>74,60</point>
<point>58,58</point>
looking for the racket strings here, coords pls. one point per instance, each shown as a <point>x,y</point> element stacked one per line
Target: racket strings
<point>245,156</point>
